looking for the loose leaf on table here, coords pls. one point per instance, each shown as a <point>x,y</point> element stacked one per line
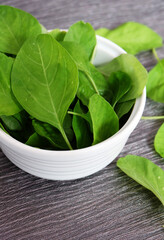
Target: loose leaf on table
<point>133,37</point>
<point>45,80</point>
<point>104,119</point>
<point>128,64</point>
<point>16,26</point>
<point>155,84</point>
<point>145,173</point>
<point>83,34</point>
<point>81,128</point>
<point>51,133</point>
<point>57,34</point>
<point>124,107</point>
<point>159,141</point>
<point>8,103</point>
<point>91,81</point>
<point>120,84</point>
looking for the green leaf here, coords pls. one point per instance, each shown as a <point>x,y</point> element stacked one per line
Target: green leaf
<point>83,34</point>
<point>124,107</point>
<point>145,173</point>
<point>45,84</point>
<point>159,141</point>
<point>155,84</point>
<point>2,127</point>
<point>51,133</point>
<point>37,141</point>
<point>133,68</point>
<point>91,81</point>
<point>104,119</point>
<point>81,129</point>
<point>120,84</point>
<point>57,34</point>
<point>133,37</point>
<point>16,26</point>
<point>8,103</point>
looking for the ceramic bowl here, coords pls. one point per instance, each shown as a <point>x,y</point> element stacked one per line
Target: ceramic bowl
<point>69,165</point>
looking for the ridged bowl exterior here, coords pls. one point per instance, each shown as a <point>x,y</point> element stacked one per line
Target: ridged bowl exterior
<point>69,165</point>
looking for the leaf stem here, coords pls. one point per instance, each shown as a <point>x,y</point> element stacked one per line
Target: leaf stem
<point>75,113</point>
<point>155,55</point>
<point>92,82</point>
<point>65,138</point>
<point>152,117</point>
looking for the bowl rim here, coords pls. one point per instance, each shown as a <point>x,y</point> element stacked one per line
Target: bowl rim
<point>129,126</point>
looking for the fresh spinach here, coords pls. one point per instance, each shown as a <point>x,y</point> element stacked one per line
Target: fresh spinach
<point>159,141</point>
<point>45,84</point>
<point>83,34</point>
<point>133,68</point>
<point>16,27</point>
<point>133,37</point>
<point>145,173</point>
<point>104,119</point>
<point>57,34</point>
<point>8,103</point>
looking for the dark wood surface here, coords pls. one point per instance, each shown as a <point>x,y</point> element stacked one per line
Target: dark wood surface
<point>107,205</point>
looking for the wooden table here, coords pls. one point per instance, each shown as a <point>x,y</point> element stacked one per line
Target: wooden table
<point>107,205</point>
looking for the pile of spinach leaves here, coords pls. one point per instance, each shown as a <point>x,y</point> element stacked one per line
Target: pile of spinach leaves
<point>135,38</point>
<point>52,96</point>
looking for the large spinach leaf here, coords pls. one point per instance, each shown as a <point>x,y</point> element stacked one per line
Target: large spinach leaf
<point>132,36</point>
<point>16,26</point>
<point>45,80</point>
<point>145,173</point>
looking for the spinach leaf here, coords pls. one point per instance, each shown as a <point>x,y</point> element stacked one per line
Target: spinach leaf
<point>51,133</point>
<point>8,103</point>
<point>91,81</point>
<point>145,173</point>
<point>81,129</point>
<point>155,84</point>
<point>159,141</point>
<point>35,140</point>
<point>45,84</point>
<point>133,37</point>
<point>124,107</point>
<point>83,34</point>
<point>2,127</point>
<point>16,26</point>
<point>104,119</point>
<point>57,34</point>
<point>120,84</point>
<point>133,68</point>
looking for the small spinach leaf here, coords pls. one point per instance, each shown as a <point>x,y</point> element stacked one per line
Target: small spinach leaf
<point>104,119</point>
<point>83,34</point>
<point>8,103</point>
<point>120,84</point>
<point>133,68</point>
<point>124,107</point>
<point>159,141</point>
<point>45,84</point>
<point>145,173</point>
<point>81,128</point>
<point>16,26</point>
<point>35,140</point>
<point>155,84</point>
<point>133,37</point>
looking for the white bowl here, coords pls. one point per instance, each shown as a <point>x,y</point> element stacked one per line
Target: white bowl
<point>68,165</point>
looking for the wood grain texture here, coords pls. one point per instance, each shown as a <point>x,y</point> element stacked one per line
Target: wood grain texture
<point>107,205</point>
